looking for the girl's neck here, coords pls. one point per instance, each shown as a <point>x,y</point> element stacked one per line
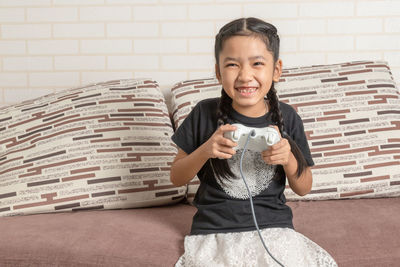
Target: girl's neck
<point>253,112</point>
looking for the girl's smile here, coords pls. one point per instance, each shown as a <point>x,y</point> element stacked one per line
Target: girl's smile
<point>246,70</point>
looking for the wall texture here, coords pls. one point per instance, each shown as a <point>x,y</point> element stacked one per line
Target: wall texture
<point>49,45</point>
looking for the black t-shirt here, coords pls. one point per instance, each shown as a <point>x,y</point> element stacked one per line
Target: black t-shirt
<point>224,206</point>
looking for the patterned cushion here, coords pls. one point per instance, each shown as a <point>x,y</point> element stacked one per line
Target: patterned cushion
<point>351,115</point>
<point>184,96</point>
<point>101,146</point>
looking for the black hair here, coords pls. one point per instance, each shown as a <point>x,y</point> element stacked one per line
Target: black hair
<point>268,34</point>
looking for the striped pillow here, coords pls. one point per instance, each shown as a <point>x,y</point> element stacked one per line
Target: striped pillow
<point>351,115</point>
<point>102,146</point>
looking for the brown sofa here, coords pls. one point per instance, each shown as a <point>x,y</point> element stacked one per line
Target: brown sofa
<point>358,232</point>
<point>69,171</point>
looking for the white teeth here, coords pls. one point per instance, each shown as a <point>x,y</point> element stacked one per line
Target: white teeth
<point>248,90</point>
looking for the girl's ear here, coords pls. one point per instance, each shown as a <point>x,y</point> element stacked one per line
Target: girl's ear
<point>217,73</point>
<point>277,70</point>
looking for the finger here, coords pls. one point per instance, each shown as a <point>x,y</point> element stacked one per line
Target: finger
<point>277,129</point>
<point>227,128</point>
<point>281,144</point>
<point>227,142</point>
<point>225,153</point>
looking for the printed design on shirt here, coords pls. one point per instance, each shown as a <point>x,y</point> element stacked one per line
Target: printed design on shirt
<point>257,173</point>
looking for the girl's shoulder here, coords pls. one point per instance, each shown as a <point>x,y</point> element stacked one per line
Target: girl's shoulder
<point>286,108</point>
<point>208,102</point>
<point>289,114</point>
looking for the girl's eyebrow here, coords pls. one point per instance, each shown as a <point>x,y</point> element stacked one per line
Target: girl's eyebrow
<point>250,58</point>
<point>257,57</point>
<point>230,59</point>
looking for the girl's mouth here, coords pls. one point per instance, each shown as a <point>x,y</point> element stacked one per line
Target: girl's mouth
<point>246,91</point>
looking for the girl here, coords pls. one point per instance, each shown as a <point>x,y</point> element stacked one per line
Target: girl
<point>223,231</point>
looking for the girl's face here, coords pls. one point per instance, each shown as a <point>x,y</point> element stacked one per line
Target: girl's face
<point>246,70</point>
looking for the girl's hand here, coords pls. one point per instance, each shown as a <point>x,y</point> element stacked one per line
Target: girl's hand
<point>217,146</point>
<point>279,153</point>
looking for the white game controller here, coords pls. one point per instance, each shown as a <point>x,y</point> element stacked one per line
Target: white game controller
<point>260,138</point>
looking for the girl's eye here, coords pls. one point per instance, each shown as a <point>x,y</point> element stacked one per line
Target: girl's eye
<point>231,65</point>
<point>258,63</point>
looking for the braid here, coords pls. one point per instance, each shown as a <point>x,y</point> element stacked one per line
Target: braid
<point>220,166</point>
<point>278,119</point>
<point>223,108</point>
<point>274,108</point>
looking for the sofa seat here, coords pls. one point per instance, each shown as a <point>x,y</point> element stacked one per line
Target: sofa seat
<point>357,232</point>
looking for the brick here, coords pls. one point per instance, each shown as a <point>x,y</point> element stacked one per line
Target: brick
<point>188,62</point>
<point>79,30</point>
<point>355,25</point>
<point>271,10</point>
<point>26,31</point>
<point>12,47</point>
<point>288,44</point>
<point>52,14</point>
<point>202,74</point>
<point>132,62</point>
<point>106,13</point>
<point>186,1</point>
<point>12,15</point>
<point>50,47</point>
<point>131,1</point>
<point>293,59</point>
<point>96,76</point>
<point>80,62</point>
<point>160,12</point>
<point>392,25</point>
<point>162,77</point>
<point>327,9</point>
<point>27,63</point>
<point>378,8</point>
<point>312,26</point>
<point>160,46</point>
<point>13,79</point>
<point>300,27</point>
<point>201,45</point>
<point>58,79</point>
<point>327,43</point>
<point>210,12</point>
<point>393,57</point>
<point>106,46</point>
<point>17,95</point>
<point>187,29</point>
<point>396,74</point>
<point>78,2</point>
<point>25,3</point>
<point>378,42</point>
<point>352,56</point>
<point>139,29</point>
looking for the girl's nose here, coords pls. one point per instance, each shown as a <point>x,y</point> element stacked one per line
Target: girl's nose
<point>245,74</point>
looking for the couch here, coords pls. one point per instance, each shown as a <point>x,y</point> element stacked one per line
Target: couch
<point>84,173</point>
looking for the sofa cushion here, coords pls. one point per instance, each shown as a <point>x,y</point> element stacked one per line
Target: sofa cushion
<point>100,146</point>
<point>351,115</point>
<point>356,232</point>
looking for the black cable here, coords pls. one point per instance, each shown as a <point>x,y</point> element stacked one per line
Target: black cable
<point>251,199</point>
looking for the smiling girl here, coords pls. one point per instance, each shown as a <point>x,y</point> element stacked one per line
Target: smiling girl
<point>223,231</point>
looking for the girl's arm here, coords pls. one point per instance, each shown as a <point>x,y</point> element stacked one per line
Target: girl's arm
<point>186,166</point>
<point>300,185</point>
<point>280,153</point>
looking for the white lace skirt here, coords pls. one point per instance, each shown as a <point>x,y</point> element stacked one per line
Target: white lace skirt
<point>289,247</point>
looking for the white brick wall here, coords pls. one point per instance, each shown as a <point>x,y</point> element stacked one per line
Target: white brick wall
<point>50,45</point>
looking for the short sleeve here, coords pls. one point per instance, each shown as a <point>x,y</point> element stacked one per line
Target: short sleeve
<point>295,129</point>
<point>300,138</point>
<point>198,126</point>
<point>184,136</point>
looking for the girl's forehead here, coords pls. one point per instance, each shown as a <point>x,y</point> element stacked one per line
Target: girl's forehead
<point>244,45</point>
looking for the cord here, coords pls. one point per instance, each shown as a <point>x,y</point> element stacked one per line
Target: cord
<point>251,199</point>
